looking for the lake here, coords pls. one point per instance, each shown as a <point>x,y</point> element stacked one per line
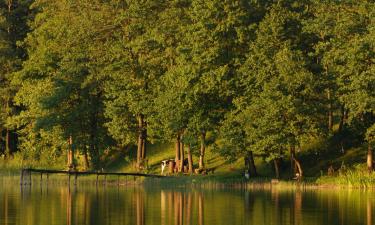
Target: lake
<point>59,204</point>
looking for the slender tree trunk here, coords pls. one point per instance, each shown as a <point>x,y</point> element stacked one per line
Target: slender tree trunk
<point>182,157</point>
<point>203,149</point>
<point>139,150</point>
<point>292,152</point>
<point>295,164</point>
<point>330,111</point>
<point>94,153</point>
<point>71,154</point>
<point>190,159</point>
<point>144,140</point>
<point>369,158</point>
<point>177,158</point>
<point>86,158</point>
<point>144,145</point>
<point>93,146</point>
<point>7,143</point>
<point>342,119</point>
<point>299,167</point>
<point>140,141</point>
<point>276,165</point>
<point>9,4</point>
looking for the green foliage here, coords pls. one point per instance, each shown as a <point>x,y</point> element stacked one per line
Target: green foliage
<point>356,177</point>
<point>132,67</point>
<point>258,76</point>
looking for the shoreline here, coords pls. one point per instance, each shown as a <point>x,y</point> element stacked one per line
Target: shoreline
<point>229,180</point>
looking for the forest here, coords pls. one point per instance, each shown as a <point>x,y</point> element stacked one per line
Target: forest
<point>242,78</point>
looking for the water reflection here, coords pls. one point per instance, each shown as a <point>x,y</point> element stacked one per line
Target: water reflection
<point>369,212</point>
<point>177,208</point>
<point>140,207</point>
<point>150,206</point>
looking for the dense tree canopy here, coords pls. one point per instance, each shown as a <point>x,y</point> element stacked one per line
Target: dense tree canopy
<point>259,78</point>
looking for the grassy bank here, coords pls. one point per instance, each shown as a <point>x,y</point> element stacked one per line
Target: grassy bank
<point>235,180</point>
<point>348,167</point>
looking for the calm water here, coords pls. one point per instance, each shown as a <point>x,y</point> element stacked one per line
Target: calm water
<point>150,206</point>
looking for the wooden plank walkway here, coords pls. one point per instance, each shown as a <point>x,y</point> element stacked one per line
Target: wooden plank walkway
<point>26,174</point>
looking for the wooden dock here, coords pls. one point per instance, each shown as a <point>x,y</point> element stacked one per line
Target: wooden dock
<point>25,178</point>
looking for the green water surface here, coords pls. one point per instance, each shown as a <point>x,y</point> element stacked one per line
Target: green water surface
<point>152,205</point>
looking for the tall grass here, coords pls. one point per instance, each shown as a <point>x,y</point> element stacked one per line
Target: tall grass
<point>357,177</point>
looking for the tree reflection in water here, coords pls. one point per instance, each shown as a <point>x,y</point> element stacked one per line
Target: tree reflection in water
<point>151,206</point>
<point>176,208</point>
<point>140,207</point>
<point>369,211</point>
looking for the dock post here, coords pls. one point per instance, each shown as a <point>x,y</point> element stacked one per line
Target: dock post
<point>41,177</point>
<point>69,178</point>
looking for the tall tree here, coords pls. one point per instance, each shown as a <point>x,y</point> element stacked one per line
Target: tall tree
<point>345,50</point>
<point>278,107</point>
<point>13,28</point>
<point>212,51</point>
<point>60,83</point>
<point>133,70</point>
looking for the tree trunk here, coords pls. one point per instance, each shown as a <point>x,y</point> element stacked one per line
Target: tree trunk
<point>250,164</point>
<point>203,149</point>
<point>140,141</point>
<point>253,170</point>
<point>369,158</point>
<point>9,4</point>
<point>86,158</point>
<point>144,140</point>
<point>276,165</point>
<point>342,119</point>
<point>139,150</point>
<point>93,141</point>
<point>144,144</point>
<point>330,111</point>
<point>182,158</point>
<point>292,152</point>
<point>71,154</point>
<point>95,157</point>
<point>7,143</point>
<point>190,160</point>
<point>177,158</point>
<point>299,168</point>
